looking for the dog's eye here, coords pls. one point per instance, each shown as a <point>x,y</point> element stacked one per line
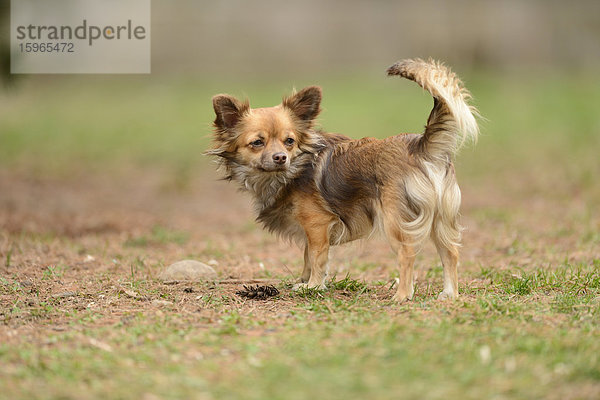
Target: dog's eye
<point>257,143</point>
<point>289,141</point>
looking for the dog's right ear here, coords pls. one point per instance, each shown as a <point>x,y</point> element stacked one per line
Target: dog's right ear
<point>229,110</point>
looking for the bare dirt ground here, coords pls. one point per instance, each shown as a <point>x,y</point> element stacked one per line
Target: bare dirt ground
<point>94,242</point>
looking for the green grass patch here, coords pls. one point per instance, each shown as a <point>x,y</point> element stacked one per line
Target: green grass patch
<point>489,343</point>
<point>574,279</point>
<point>348,284</point>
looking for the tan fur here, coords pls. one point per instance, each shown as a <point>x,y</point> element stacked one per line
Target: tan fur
<point>322,189</point>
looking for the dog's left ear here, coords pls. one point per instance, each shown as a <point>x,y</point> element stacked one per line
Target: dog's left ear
<point>306,103</point>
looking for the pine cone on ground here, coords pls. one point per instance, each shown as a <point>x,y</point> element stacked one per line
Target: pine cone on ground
<point>258,292</point>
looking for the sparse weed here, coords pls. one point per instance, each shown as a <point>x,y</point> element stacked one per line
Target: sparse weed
<point>310,293</point>
<point>348,284</point>
<point>229,323</point>
<point>133,268</point>
<point>215,299</point>
<point>317,307</point>
<point>568,303</point>
<point>488,273</point>
<point>567,278</point>
<point>8,257</point>
<point>43,310</point>
<point>287,282</point>
<point>519,285</point>
<point>495,304</point>
<point>12,287</point>
<point>53,272</point>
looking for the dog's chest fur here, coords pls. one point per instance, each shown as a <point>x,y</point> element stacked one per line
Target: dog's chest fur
<point>277,211</point>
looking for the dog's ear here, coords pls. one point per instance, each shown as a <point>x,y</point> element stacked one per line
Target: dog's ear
<point>229,110</point>
<point>306,103</point>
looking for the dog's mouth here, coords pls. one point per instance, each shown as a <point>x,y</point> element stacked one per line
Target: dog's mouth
<point>272,168</point>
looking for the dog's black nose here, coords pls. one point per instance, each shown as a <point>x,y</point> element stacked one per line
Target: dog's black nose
<point>279,158</point>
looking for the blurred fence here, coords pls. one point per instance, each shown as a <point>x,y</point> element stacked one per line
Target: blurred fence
<point>314,34</point>
<point>201,36</point>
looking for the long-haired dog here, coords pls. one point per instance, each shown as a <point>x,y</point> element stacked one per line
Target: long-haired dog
<point>322,189</point>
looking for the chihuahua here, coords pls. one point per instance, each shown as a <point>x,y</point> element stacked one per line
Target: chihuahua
<point>322,189</point>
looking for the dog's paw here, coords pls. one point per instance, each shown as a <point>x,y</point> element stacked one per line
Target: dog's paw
<point>402,297</point>
<point>402,294</point>
<point>447,295</point>
<point>300,286</point>
<point>304,286</point>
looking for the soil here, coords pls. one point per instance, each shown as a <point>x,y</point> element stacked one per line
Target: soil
<point>97,242</point>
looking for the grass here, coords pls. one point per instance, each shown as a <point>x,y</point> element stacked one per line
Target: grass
<point>53,272</point>
<point>489,343</point>
<point>8,256</point>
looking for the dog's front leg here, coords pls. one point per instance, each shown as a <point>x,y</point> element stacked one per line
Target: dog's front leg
<point>316,257</point>
<point>306,271</point>
<point>318,254</point>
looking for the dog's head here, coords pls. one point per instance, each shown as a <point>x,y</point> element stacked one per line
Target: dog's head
<point>265,140</point>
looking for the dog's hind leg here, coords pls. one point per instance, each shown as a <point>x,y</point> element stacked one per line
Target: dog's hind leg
<point>446,234</point>
<point>405,252</point>
<point>449,256</point>
<point>406,261</point>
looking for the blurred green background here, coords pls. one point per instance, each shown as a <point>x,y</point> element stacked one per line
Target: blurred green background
<point>531,66</point>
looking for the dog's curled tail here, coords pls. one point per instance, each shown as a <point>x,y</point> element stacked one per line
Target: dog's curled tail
<point>451,122</point>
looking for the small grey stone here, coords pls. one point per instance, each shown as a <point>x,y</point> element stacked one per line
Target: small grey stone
<point>188,270</point>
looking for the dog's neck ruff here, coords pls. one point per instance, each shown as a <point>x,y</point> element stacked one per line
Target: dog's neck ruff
<point>266,187</point>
